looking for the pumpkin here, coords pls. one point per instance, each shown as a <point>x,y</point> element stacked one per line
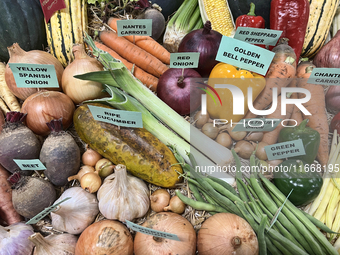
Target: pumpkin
<point>22,22</point>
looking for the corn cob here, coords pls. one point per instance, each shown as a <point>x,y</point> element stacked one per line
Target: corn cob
<point>219,14</point>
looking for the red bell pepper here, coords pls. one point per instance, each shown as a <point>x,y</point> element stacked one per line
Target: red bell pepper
<point>290,17</point>
<point>250,20</point>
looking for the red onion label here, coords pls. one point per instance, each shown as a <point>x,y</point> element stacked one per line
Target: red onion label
<point>184,59</point>
<point>151,232</point>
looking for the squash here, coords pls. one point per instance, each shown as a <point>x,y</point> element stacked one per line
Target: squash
<point>66,28</point>
<point>320,19</point>
<point>144,155</point>
<point>22,22</point>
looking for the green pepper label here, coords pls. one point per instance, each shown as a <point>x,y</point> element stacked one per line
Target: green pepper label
<point>152,232</point>
<point>285,150</point>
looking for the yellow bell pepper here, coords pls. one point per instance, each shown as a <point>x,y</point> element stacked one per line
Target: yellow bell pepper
<point>224,73</point>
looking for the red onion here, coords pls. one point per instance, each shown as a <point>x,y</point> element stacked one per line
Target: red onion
<point>328,55</point>
<point>179,91</point>
<point>205,41</point>
<point>335,123</point>
<point>333,99</point>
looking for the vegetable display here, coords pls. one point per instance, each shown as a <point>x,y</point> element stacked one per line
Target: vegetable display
<point>77,176</point>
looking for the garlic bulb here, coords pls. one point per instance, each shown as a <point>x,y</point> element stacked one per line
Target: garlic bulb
<point>54,244</point>
<point>123,196</point>
<point>77,213</point>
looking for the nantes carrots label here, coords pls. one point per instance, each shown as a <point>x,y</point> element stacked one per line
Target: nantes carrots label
<point>244,55</point>
<point>134,27</point>
<point>257,35</point>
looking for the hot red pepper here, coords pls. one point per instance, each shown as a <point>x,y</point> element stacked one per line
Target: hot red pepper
<point>250,20</point>
<point>290,17</point>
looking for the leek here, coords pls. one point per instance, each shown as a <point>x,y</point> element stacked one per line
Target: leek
<point>186,19</point>
<point>128,93</point>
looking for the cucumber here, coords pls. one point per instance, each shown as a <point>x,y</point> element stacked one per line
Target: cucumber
<point>144,155</point>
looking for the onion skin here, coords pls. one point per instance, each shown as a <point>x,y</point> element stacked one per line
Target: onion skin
<point>18,55</point>
<point>221,234</point>
<point>205,41</point>
<point>159,199</point>
<point>44,106</point>
<point>332,99</point>
<point>329,55</point>
<point>105,237</point>
<point>171,223</point>
<point>2,120</point>
<point>179,91</point>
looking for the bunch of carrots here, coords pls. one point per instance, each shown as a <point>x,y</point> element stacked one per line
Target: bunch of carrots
<point>283,72</point>
<point>142,55</point>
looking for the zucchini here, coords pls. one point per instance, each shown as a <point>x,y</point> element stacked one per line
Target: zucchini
<point>144,155</point>
<point>321,16</point>
<point>65,28</point>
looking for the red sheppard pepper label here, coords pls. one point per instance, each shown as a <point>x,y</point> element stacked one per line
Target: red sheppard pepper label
<point>49,7</point>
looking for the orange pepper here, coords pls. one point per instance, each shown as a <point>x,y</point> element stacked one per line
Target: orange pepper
<point>224,73</point>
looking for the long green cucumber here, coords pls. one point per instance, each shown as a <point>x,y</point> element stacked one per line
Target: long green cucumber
<point>144,155</point>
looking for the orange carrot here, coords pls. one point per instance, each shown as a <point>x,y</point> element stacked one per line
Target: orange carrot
<point>297,114</point>
<point>133,53</point>
<point>279,75</point>
<point>317,107</point>
<point>271,137</point>
<point>145,42</point>
<point>148,79</point>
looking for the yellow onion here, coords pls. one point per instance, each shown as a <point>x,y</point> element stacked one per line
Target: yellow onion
<point>109,237</point>
<point>18,55</point>
<point>171,223</point>
<point>44,106</point>
<point>80,90</point>
<point>226,233</point>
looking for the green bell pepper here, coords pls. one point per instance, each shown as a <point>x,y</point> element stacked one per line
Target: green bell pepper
<point>306,184</point>
<point>309,136</point>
